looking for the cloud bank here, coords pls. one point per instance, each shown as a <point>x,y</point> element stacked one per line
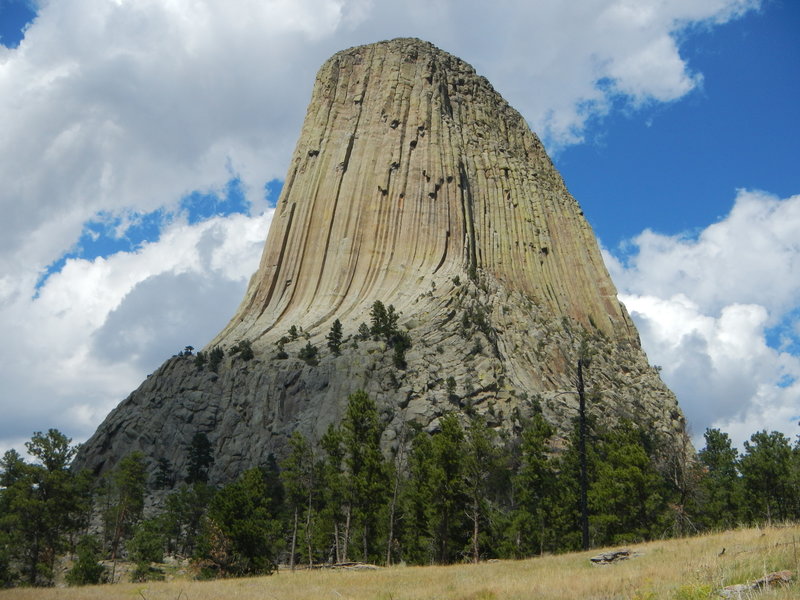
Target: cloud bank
<point>99,326</point>
<point>718,311</point>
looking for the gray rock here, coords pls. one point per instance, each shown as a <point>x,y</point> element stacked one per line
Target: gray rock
<point>416,184</point>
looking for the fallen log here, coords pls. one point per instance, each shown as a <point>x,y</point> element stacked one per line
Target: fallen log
<point>742,590</point>
<point>614,556</point>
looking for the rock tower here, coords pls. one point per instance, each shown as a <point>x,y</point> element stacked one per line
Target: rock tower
<point>414,184</point>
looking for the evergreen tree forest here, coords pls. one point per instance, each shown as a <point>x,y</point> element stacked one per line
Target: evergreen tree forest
<point>462,493</point>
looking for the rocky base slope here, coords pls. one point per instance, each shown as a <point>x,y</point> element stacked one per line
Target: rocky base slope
<point>505,357</point>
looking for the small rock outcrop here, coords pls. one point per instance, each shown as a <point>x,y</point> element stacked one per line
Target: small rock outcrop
<point>414,184</point>
<point>613,557</point>
<point>748,590</point>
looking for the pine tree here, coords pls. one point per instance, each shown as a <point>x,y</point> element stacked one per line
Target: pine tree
<point>145,547</point>
<point>334,338</point>
<point>535,490</point>
<point>766,469</point>
<point>417,536</point>
<point>481,462</point>
<point>308,354</point>
<point>721,486</point>
<point>215,358</point>
<point>124,492</point>
<point>683,475</point>
<point>298,475</point>
<point>200,459</point>
<point>164,476</point>
<point>449,501</point>
<point>183,513</point>
<point>366,469</point>
<point>87,570</point>
<point>566,515</point>
<point>244,349</point>
<point>41,503</point>
<point>627,498</point>
<point>379,320</point>
<point>242,533</point>
<point>336,511</point>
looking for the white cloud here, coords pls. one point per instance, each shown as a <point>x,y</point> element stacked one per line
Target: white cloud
<point>126,104</point>
<point>705,307</point>
<point>98,326</point>
<point>112,108</point>
<point>727,261</point>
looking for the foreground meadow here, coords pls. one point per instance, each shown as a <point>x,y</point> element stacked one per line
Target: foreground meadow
<point>681,569</point>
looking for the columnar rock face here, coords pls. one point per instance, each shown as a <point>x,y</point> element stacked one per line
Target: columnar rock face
<point>415,184</point>
<point>411,169</point>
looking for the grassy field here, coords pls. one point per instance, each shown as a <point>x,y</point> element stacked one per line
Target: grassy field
<point>682,569</point>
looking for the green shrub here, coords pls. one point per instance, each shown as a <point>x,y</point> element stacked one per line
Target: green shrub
<point>694,592</point>
<point>87,570</point>
<point>244,349</point>
<point>308,353</point>
<point>215,358</point>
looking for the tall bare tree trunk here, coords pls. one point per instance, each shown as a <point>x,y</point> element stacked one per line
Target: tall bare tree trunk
<point>308,530</point>
<point>475,531</point>
<point>346,541</point>
<point>336,541</point>
<point>584,478</point>
<point>294,541</point>
<point>392,508</point>
<point>121,513</point>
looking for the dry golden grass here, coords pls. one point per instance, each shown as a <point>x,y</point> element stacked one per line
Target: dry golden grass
<point>683,569</point>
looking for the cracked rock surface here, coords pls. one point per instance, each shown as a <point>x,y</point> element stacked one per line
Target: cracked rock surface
<point>414,183</point>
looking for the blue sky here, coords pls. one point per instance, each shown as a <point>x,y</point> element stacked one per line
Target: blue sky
<point>143,144</point>
<point>14,16</point>
<point>674,167</point>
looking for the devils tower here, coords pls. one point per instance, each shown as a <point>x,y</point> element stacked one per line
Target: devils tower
<point>414,184</point>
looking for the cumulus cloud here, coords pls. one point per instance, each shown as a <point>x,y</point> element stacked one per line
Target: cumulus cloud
<point>126,104</point>
<point>117,109</point>
<point>99,326</point>
<point>708,307</point>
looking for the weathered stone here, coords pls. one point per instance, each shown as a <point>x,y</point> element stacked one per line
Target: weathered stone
<point>615,556</point>
<point>413,183</point>
<point>745,590</point>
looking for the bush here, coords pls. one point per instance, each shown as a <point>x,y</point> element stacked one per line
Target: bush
<point>144,572</point>
<point>87,570</point>
<point>308,353</point>
<point>215,358</point>
<point>451,388</point>
<point>147,546</point>
<point>242,532</point>
<point>281,353</point>
<point>400,342</point>
<point>244,349</point>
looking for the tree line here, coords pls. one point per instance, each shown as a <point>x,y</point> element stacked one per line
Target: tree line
<point>459,492</point>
